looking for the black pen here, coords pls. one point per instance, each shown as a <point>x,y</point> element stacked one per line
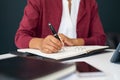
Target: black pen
<point>53,31</point>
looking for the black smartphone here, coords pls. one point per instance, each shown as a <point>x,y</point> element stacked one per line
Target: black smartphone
<point>86,70</point>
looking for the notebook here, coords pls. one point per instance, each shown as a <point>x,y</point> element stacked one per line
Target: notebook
<point>67,52</point>
<point>24,68</point>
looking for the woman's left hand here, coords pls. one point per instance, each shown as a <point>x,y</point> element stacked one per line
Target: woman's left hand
<point>71,41</point>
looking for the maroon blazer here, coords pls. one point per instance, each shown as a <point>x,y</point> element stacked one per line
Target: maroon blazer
<point>38,13</point>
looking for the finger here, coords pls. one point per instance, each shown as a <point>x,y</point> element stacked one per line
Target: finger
<point>62,38</point>
<point>69,42</point>
<point>53,47</point>
<point>50,49</point>
<point>52,44</point>
<point>46,51</point>
<point>66,40</point>
<point>61,41</point>
<point>55,43</point>
<point>47,48</point>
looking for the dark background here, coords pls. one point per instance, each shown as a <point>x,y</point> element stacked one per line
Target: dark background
<point>11,12</point>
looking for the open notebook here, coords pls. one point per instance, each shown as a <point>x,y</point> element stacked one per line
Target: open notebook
<point>67,52</point>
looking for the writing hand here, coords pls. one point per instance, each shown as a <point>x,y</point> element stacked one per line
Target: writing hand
<point>50,44</point>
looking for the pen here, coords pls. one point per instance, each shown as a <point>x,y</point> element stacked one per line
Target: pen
<point>53,31</point>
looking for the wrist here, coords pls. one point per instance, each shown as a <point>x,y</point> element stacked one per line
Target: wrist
<point>78,42</point>
<point>35,43</point>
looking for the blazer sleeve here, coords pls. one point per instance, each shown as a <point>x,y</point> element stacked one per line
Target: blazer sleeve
<point>28,24</point>
<point>96,31</point>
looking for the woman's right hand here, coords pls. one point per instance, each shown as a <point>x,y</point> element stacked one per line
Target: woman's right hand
<point>49,44</point>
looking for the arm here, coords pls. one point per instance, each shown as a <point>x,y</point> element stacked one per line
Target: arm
<point>97,35</point>
<point>28,25</point>
<point>27,37</point>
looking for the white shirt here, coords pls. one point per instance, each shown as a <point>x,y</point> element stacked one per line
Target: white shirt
<point>69,21</point>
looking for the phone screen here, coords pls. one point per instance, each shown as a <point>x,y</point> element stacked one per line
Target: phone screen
<point>84,69</point>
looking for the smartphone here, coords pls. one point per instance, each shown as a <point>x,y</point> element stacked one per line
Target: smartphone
<point>86,70</point>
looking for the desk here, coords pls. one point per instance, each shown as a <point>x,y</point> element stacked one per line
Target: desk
<point>101,61</point>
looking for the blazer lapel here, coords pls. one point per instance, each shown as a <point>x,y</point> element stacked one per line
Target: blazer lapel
<point>59,8</point>
<point>59,3</point>
<point>82,10</point>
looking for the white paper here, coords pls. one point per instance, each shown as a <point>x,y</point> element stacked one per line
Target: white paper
<point>67,51</point>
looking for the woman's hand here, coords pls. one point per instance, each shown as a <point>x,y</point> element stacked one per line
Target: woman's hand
<point>71,42</point>
<point>50,44</point>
